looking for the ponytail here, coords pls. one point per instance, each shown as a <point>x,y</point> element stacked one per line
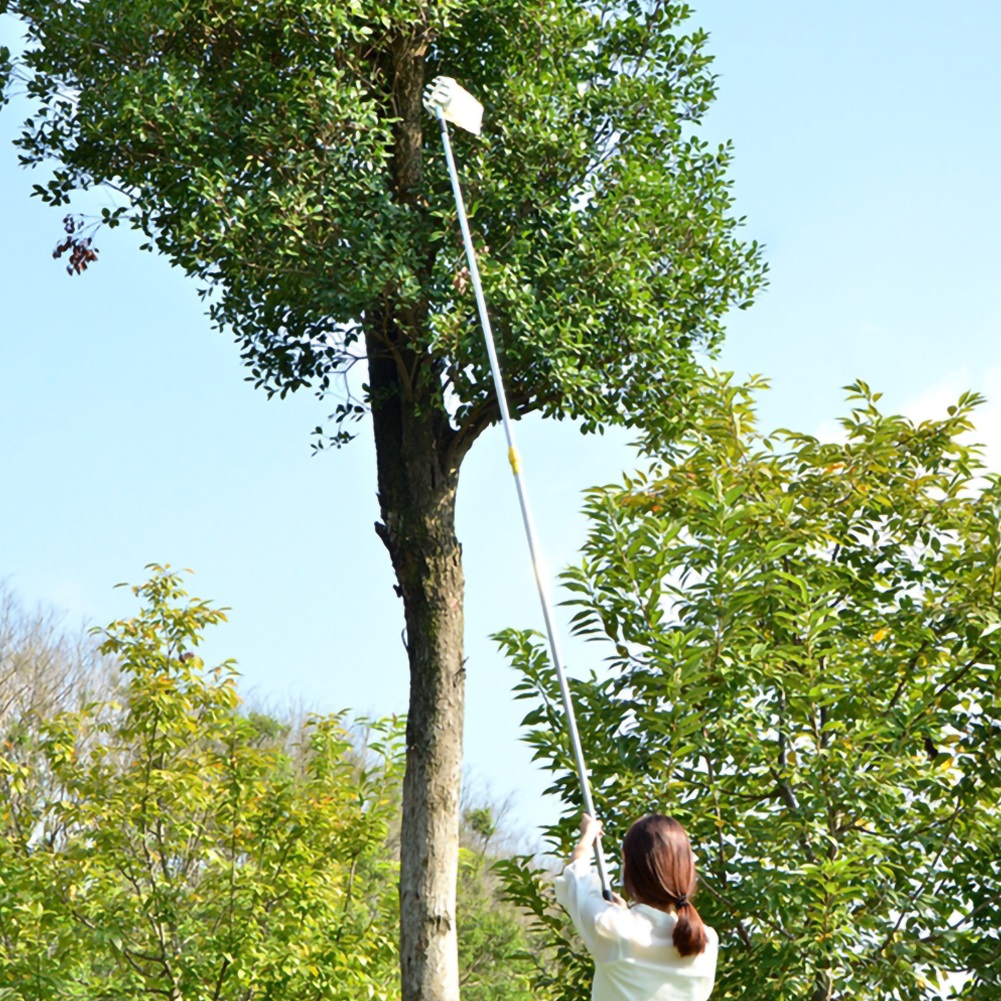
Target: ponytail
<point>659,870</point>
<point>690,936</point>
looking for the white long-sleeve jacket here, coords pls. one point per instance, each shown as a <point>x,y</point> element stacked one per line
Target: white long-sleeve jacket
<point>634,956</point>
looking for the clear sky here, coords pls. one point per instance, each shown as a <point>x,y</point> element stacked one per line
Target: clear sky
<point>868,148</point>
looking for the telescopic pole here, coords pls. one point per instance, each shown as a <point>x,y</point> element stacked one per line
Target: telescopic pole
<point>515,459</point>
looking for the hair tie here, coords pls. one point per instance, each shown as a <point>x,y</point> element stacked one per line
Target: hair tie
<point>681,900</point>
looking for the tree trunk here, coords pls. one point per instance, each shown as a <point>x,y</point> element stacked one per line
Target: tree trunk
<point>417,483</point>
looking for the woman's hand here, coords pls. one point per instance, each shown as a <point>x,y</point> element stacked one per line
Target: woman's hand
<point>590,831</point>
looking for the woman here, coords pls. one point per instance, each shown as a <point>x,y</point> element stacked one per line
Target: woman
<point>656,948</point>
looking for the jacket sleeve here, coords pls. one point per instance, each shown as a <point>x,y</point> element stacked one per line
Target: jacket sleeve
<point>578,890</point>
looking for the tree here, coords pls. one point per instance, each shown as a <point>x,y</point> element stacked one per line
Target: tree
<point>180,852</point>
<point>44,670</point>
<point>803,645</point>
<point>275,151</point>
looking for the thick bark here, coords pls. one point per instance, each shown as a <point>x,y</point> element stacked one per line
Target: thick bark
<point>417,484</point>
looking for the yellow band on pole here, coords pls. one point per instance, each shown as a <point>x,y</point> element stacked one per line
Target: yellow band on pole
<point>515,459</point>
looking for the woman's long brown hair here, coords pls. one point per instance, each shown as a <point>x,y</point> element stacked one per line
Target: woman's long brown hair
<point>658,868</point>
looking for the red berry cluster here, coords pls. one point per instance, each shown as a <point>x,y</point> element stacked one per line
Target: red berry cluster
<point>81,251</point>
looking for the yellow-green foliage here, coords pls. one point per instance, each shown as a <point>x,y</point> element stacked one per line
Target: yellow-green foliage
<point>176,850</point>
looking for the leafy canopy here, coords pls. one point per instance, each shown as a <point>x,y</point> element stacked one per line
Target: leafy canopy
<point>804,640</point>
<point>178,850</point>
<point>275,151</point>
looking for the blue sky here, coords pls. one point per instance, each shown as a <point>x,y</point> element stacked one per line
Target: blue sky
<point>867,151</point>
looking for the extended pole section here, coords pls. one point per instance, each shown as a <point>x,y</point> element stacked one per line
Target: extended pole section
<point>446,96</point>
